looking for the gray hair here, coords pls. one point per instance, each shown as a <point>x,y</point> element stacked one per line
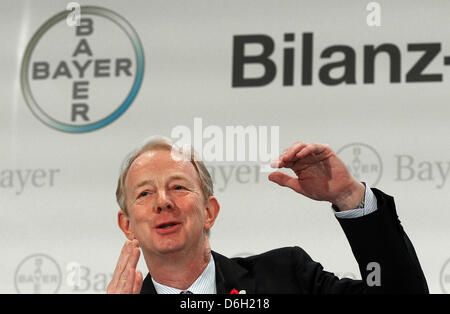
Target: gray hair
<point>163,143</point>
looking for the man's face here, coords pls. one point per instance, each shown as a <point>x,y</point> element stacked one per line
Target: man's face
<point>166,207</point>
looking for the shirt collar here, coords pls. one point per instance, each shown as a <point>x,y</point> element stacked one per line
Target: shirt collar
<point>204,284</point>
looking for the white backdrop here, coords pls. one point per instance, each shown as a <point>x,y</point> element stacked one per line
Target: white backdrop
<point>57,201</point>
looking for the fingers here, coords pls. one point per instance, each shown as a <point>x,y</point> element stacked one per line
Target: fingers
<point>123,261</point>
<point>286,180</point>
<point>138,282</point>
<point>126,281</point>
<point>316,150</point>
<point>290,153</point>
<point>125,274</point>
<point>310,153</point>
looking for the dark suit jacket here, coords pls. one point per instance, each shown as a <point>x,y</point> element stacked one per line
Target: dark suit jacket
<point>377,237</point>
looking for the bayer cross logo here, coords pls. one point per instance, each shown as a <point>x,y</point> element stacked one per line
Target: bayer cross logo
<point>444,279</point>
<point>363,162</point>
<point>81,78</point>
<point>38,273</point>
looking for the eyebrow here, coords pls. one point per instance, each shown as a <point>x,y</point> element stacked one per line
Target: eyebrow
<point>172,177</point>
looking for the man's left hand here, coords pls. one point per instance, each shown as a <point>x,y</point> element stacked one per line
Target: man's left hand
<point>320,175</point>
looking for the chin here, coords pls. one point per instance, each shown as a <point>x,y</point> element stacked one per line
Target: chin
<point>168,250</point>
<point>168,246</point>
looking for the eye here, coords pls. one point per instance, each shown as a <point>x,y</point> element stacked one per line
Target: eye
<point>179,187</point>
<point>143,194</point>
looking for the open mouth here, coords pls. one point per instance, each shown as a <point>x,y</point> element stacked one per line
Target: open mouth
<point>167,225</point>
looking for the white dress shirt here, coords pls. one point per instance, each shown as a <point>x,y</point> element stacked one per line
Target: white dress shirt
<point>370,205</point>
<point>205,283</point>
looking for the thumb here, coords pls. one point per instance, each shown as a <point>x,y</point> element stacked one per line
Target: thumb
<point>286,180</point>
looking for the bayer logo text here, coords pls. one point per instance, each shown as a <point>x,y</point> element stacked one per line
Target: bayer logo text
<point>79,79</point>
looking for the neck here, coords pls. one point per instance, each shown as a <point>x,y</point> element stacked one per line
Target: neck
<point>179,269</point>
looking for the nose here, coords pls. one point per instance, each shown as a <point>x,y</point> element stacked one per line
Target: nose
<point>162,202</point>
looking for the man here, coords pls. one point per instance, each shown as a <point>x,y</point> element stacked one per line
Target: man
<point>168,207</point>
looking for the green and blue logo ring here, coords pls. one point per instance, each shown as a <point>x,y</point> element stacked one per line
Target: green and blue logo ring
<point>70,128</point>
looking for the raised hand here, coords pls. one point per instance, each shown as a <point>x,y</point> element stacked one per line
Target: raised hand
<point>126,278</point>
<point>320,175</point>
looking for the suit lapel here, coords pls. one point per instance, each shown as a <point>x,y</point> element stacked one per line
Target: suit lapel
<point>230,275</point>
<point>147,285</point>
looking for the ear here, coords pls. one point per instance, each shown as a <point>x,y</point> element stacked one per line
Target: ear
<point>212,211</point>
<point>124,225</point>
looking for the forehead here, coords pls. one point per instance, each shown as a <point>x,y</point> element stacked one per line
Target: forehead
<point>160,164</point>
